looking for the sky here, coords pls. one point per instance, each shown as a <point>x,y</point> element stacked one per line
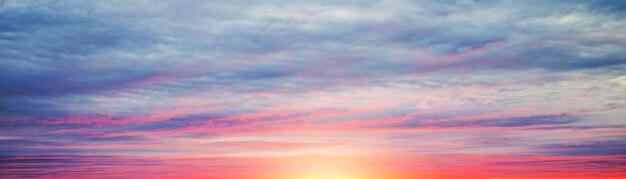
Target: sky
<point>313,89</point>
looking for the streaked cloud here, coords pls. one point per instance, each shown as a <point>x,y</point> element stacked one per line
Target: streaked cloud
<point>115,81</point>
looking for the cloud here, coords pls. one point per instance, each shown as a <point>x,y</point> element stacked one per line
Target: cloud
<point>178,122</point>
<point>585,148</point>
<point>49,51</point>
<point>488,122</point>
<point>125,77</point>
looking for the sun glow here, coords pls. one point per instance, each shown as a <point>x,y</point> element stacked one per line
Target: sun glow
<point>328,168</point>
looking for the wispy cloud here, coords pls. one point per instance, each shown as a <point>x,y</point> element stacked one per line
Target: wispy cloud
<point>486,79</point>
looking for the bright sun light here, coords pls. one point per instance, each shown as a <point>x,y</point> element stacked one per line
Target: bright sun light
<point>327,168</point>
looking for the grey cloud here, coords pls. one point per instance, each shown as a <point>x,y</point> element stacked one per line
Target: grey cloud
<point>492,122</point>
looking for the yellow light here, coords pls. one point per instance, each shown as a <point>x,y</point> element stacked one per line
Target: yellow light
<point>332,176</point>
<point>326,168</point>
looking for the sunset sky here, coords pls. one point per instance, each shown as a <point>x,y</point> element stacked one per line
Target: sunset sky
<point>319,89</point>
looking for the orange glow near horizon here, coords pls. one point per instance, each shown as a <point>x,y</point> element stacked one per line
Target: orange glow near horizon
<point>321,167</point>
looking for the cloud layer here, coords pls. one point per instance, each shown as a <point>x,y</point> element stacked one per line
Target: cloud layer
<point>213,79</point>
